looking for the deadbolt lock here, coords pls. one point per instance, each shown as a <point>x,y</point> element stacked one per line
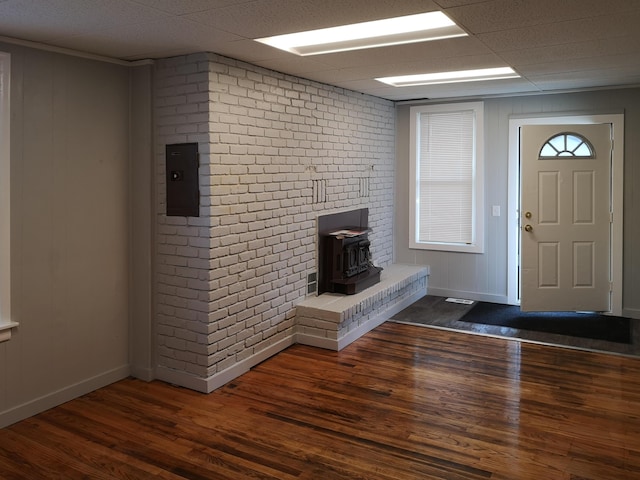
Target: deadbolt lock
<point>527,214</point>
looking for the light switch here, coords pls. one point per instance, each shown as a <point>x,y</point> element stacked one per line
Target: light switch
<point>495,210</point>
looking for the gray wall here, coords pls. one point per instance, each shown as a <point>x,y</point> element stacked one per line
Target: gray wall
<point>484,276</point>
<point>141,234</point>
<point>70,230</point>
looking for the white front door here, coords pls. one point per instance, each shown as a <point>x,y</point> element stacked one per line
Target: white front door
<point>565,217</point>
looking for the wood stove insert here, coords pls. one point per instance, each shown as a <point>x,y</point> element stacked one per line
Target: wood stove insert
<point>345,264</point>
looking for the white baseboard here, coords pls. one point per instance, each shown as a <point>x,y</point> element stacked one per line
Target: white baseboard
<point>61,396</point>
<point>480,297</point>
<point>145,374</point>
<point>631,313</point>
<point>316,341</point>
<point>217,380</point>
<point>182,379</point>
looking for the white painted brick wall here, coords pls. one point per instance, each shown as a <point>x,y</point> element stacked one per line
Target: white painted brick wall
<point>227,282</point>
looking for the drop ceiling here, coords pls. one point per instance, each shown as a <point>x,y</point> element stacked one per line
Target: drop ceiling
<point>555,45</point>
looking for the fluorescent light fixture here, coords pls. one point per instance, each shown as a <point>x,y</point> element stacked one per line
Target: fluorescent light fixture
<point>450,77</point>
<point>378,33</point>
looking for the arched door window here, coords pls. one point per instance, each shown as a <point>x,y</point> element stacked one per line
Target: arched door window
<point>567,145</point>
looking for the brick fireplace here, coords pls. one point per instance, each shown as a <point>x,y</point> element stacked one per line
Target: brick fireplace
<point>230,281</point>
<point>334,318</point>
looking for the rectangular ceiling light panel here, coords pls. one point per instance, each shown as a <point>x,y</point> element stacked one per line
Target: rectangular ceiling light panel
<point>450,77</point>
<point>378,33</point>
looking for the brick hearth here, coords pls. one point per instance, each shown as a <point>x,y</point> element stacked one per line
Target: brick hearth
<point>333,320</point>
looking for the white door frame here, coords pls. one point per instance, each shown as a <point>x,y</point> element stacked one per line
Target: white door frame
<point>513,208</point>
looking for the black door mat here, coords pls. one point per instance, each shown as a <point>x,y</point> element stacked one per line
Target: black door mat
<point>583,325</point>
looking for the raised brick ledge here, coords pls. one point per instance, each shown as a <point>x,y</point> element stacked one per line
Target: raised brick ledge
<point>334,320</point>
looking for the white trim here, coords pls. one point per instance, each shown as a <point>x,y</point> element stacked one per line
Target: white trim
<point>477,296</point>
<point>5,198</point>
<point>478,208</point>
<point>146,374</point>
<point>631,312</point>
<point>217,380</point>
<point>59,397</point>
<point>617,121</point>
<point>7,325</point>
<point>74,53</point>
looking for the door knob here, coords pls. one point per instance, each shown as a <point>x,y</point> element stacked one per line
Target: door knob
<point>528,228</point>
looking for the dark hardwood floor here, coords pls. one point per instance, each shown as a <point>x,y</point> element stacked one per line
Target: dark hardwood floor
<point>403,402</point>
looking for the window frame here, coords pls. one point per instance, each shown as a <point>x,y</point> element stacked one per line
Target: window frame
<point>477,243</point>
<point>5,196</point>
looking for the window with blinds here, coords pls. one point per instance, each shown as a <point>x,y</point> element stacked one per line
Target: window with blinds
<point>447,177</point>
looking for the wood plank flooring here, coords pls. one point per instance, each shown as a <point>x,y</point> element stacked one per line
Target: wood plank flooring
<point>402,402</point>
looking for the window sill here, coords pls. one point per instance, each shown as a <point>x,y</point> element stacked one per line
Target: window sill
<point>5,330</point>
<point>448,247</point>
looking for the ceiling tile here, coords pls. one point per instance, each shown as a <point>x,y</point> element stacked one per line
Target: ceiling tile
<point>607,66</point>
<point>592,49</point>
<point>168,37</point>
<point>557,44</point>
<point>423,52</point>
<point>471,89</point>
<point>583,30</point>
<point>260,18</point>
<point>446,64</point>
<point>582,80</point>
<point>42,20</point>
<point>184,7</point>
<point>501,15</point>
<point>457,3</point>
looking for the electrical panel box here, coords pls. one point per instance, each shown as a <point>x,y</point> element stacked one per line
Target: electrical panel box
<point>183,192</point>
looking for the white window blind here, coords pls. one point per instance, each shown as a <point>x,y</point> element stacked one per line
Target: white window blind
<point>447,177</point>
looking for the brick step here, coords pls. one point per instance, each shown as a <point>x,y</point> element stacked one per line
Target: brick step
<point>334,320</point>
